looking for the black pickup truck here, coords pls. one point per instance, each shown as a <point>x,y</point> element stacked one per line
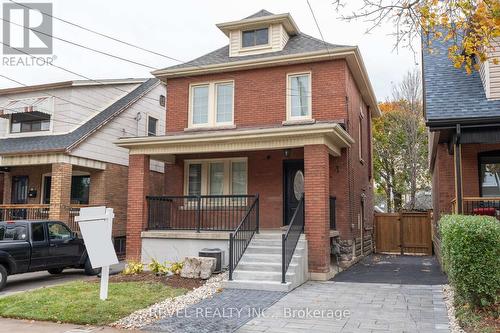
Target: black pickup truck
<point>30,246</point>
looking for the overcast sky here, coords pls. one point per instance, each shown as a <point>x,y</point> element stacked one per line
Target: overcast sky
<point>186,29</point>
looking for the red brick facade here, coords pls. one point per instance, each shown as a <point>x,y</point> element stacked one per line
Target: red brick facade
<point>260,100</point>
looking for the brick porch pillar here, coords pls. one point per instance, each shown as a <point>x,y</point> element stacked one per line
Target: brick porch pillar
<point>60,191</point>
<point>138,188</point>
<point>97,191</point>
<point>7,187</point>
<point>317,225</point>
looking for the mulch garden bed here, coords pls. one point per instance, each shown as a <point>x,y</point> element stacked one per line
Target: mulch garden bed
<point>175,281</point>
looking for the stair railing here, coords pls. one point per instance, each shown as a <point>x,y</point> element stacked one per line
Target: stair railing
<point>242,235</point>
<point>291,237</point>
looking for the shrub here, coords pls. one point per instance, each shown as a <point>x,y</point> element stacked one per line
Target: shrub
<point>176,267</point>
<point>133,268</point>
<point>471,257</point>
<point>157,268</point>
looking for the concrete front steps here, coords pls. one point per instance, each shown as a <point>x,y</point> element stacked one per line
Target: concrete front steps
<point>260,266</point>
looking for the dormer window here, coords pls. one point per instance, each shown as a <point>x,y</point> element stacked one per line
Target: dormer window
<point>255,37</point>
<point>29,122</point>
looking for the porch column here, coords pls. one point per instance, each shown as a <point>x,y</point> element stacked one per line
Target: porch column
<point>97,192</point>
<point>60,191</point>
<point>137,215</point>
<point>457,155</point>
<point>7,187</point>
<point>317,227</point>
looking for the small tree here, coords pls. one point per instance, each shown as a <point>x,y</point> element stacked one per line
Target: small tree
<point>400,145</point>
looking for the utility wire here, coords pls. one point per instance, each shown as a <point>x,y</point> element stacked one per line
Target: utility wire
<point>101,34</point>
<point>82,46</point>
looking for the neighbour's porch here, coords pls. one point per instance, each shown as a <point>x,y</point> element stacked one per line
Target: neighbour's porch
<point>474,168</point>
<point>49,190</point>
<point>235,182</point>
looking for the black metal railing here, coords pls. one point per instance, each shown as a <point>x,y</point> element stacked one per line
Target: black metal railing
<point>481,206</point>
<point>200,213</point>
<point>333,222</point>
<point>291,237</point>
<point>242,235</point>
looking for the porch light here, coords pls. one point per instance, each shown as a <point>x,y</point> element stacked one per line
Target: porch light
<point>286,152</point>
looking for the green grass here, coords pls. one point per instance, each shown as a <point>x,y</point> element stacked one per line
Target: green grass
<point>79,303</point>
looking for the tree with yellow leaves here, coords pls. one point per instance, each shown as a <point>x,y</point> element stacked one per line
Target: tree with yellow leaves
<point>471,25</point>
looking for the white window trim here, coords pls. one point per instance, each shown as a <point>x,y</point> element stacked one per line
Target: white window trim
<point>260,46</point>
<point>289,92</point>
<point>205,174</point>
<point>212,105</point>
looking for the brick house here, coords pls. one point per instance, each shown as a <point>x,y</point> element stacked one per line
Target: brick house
<point>276,113</point>
<point>57,152</point>
<point>462,113</point>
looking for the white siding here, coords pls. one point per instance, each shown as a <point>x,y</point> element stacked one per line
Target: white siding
<point>100,145</point>
<point>490,72</point>
<point>278,37</point>
<point>72,106</point>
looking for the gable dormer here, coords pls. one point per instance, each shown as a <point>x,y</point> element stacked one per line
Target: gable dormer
<point>262,32</point>
<point>490,72</point>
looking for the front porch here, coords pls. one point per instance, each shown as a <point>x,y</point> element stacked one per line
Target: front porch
<point>49,190</point>
<point>240,183</point>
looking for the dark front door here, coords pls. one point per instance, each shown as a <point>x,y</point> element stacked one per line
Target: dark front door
<point>19,190</point>
<point>293,172</point>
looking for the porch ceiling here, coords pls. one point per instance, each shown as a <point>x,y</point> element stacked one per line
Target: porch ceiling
<point>166,147</point>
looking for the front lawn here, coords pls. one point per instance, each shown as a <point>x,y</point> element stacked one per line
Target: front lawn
<point>79,303</point>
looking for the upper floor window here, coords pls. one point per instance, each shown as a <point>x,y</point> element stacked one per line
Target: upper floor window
<point>299,96</point>
<point>211,104</point>
<point>255,37</point>
<point>152,126</point>
<point>27,122</point>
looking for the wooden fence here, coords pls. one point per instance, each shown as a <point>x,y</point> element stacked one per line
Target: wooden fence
<point>403,233</point>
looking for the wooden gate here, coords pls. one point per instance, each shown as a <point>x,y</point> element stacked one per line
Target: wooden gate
<point>403,233</point>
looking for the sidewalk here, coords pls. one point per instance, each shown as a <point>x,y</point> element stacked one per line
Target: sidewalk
<point>29,326</point>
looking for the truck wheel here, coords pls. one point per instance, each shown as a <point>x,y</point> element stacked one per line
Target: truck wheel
<point>55,270</point>
<point>3,276</point>
<point>89,270</point>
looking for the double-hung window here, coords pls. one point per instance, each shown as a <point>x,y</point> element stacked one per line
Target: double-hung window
<point>255,37</point>
<point>216,177</point>
<point>298,94</point>
<point>211,104</point>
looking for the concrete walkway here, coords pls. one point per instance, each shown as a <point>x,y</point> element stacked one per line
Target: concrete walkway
<point>379,294</point>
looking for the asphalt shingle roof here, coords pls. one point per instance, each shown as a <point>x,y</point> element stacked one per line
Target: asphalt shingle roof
<point>260,13</point>
<point>451,94</point>
<point>60,142</point>
<point>300,43</point>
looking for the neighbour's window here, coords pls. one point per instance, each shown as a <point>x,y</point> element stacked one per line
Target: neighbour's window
<point>57,231</point>
<point>37,232</point>
<point>13,233</point>
<point>489,169</point>
<point>255,37</point>
<point>216,177</point>
<point>299,96</point>
<point>162,100</point>
<point>152,125</point>
<point>80,189</point>
<point>211,104</point>
<point>26,122</point>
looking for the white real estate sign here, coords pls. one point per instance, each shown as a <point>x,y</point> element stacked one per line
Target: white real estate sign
<point>96,225</point>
